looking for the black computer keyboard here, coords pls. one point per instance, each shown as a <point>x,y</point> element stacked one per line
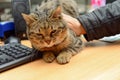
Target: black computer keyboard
<point>15,54</point>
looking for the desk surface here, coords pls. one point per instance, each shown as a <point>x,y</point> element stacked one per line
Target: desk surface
<point>99,61</point>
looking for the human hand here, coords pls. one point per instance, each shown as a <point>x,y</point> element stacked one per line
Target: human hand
<point>74,24</point>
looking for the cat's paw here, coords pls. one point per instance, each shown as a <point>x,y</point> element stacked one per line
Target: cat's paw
<point>48,57</point>
<point>64,58</point>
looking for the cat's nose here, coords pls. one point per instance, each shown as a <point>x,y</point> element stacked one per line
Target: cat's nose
<point>48,41</point>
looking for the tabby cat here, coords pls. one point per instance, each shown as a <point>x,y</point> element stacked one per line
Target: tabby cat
<point>48,32</point>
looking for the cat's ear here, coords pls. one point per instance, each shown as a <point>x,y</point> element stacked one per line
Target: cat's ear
<point>57,13</point>
<point>28,18</point>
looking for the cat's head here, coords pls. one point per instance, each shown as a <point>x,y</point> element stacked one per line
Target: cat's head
<point>46,29</point>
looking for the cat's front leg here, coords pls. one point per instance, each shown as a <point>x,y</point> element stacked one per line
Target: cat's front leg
<point>48,57</point>
<point>64,57</point>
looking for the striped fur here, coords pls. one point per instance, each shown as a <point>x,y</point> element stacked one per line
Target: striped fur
<point>49,33</point>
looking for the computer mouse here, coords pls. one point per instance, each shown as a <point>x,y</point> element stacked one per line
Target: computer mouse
<point>12,39</point>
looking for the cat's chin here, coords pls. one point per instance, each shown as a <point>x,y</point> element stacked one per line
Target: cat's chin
<point>48,46</point>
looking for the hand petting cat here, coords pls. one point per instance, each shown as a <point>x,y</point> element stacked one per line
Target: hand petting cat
<point>74,24</point>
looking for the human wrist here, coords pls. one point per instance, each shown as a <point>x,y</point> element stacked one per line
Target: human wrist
<point>82,29</point>
<point>78,27</point>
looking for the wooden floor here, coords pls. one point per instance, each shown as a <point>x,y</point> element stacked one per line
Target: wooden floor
<point>98,61</point>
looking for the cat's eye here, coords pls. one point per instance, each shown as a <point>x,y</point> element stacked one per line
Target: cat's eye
<point>31,33</point>
<point>40,35</point>
<point>53,32</point>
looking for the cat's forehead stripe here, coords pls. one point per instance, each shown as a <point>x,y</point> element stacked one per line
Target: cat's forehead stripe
<point>47,25</point>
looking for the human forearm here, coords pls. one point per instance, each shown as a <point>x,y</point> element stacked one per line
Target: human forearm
<point>104,21</point>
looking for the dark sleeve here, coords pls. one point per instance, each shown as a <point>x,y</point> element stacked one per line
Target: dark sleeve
<point>102,22</point>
